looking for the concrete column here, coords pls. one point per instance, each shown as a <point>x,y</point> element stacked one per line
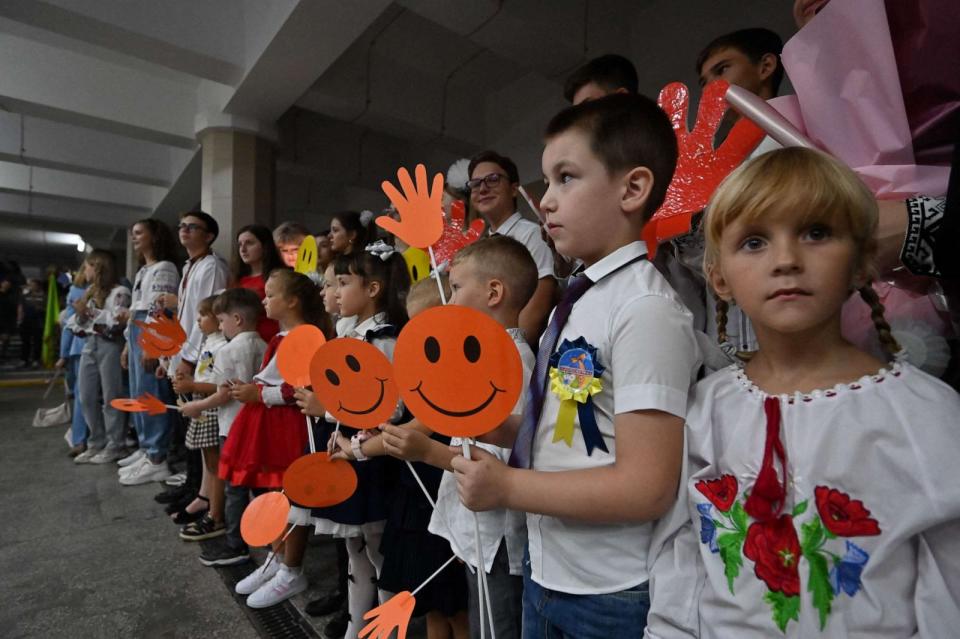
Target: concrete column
<point>237,182</point>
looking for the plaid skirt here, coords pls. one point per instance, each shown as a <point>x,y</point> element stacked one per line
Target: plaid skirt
<point>204,431</point>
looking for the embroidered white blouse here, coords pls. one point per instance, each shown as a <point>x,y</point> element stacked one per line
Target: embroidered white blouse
<point>868,541</point>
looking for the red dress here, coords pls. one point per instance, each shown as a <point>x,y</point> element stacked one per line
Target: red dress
<point>264,439</point>
<point>266,327</point>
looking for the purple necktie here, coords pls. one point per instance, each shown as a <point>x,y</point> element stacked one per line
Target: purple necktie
<point>521,456</point>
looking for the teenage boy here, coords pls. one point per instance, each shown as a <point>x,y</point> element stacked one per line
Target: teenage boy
<point>593,479</point>
<point>600,77</point>
<point>748,58</point>
<point>238,310</point>
<point>494,184</point>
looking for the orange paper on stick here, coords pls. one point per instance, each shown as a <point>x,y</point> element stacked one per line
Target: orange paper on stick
<point>395,613</point>
<point>162,337</point>
<point>354,381</point>
<point>265,519</point>
<point>316,481</point>
<point>295,352</point>
<point>420,208</point>
<point>458,371</point>
<point>146,403</point>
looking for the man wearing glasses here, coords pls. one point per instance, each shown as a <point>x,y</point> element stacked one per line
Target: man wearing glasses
<point>204,274</point>
<point>494,182</point>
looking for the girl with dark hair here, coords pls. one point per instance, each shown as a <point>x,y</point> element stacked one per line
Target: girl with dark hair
<point>256,257</point>
<point>153,243</point>
<point>350,231</point>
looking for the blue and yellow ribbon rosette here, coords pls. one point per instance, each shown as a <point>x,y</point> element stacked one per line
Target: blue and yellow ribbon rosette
<point>575,378</point>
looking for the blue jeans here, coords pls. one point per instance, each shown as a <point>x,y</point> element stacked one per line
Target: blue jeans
<point>153,431</point>
<point>548,614</point>
<point>78,427</point>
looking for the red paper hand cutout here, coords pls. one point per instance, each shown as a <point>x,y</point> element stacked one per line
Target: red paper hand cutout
<point>455,237</point>
<point>395,613</point>
<point>700,167</point>
<point>420,209</point>
<point>162,337</point>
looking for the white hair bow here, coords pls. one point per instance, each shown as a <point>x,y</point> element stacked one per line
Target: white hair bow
<point>381,249</point>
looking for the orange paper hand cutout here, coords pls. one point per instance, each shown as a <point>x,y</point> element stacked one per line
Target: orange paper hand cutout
<point>455,236</point>
<point>700,167</point>
<point>395,613</point>
<point>316,481</point>
<point>146,403</point>
<point>265,519</point>
<point>295,352</point>
<point>162,337</point>
<point>420,209</point>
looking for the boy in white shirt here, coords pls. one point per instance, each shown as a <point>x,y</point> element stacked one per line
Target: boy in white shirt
<point>238,310</point>
<point>598,455</point>
<point>496,276</point>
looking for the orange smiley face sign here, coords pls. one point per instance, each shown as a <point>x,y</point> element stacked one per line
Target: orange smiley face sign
<point>316,481</point>
<point>354,382</point>
<point>458,370</point>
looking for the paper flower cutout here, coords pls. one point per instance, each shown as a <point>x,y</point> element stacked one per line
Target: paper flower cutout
<point>455,236</point>
<point>420,208</point>
<point>700,167</point>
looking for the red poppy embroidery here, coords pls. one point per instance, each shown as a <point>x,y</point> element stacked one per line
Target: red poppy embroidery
<point>721,492</point>
<point>843,516</point>
<point>775,550</point>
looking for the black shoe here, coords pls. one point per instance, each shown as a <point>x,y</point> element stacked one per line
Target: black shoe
<point>325,605</point>
<point>224,555</point>
<point>337,627</point>
<point>183,517</point>
<point>171,495</point>
<point>180,504</point>
<point>203,528</point>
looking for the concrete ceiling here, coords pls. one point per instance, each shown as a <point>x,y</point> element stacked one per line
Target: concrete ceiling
<point>101,100</point>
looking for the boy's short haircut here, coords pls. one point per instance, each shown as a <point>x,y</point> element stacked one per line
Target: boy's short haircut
<point>425,294</point>
<point>208,305</point>
<point>625,131</point>
<point>753,43</point>
<point>610,72</point>
<point>505,259</point>
<point>207,219</point>
<point>242,301</point>
<point>289,232</point>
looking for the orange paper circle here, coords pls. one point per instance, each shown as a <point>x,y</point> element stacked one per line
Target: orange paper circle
<point>354,382</point>
<point>295,351</point>
<point>128,405</point>
<point>265,519</point>
<point>316,481</point>
<point>458,370</point>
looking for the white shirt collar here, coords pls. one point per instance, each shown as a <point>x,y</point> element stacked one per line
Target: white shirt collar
<point>508,224</point>
<point>615,260</point>
<point>360,330</point>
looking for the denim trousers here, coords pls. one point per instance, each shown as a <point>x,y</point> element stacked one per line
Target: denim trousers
<point>548,614</point>
<point>153,431</point>
<point>78,427</point>
<point>100,381</point>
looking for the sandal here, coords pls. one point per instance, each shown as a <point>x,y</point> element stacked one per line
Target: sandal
<point>184,516</point>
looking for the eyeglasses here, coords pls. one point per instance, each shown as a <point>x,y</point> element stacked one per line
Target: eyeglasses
<point>190,227</point>
<point>490,180</point>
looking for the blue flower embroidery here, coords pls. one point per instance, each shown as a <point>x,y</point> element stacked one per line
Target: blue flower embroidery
<point>708,528</point>
<point>845,574</point>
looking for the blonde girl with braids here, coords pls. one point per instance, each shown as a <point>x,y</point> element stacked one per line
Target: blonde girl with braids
<point>101,315</point>
<point>818,497</point>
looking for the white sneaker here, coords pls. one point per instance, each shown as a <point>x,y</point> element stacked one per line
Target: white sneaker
<point>86,456</point>
<point>178,479</point>
<point>106,456</point>
<point>126,470</point>
<point>252,582</point>
<point>285,584</point>
<point>145,472</point>
<point>133,457</point>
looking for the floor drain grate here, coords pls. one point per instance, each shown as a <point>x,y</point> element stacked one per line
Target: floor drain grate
<point>282,621</point>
